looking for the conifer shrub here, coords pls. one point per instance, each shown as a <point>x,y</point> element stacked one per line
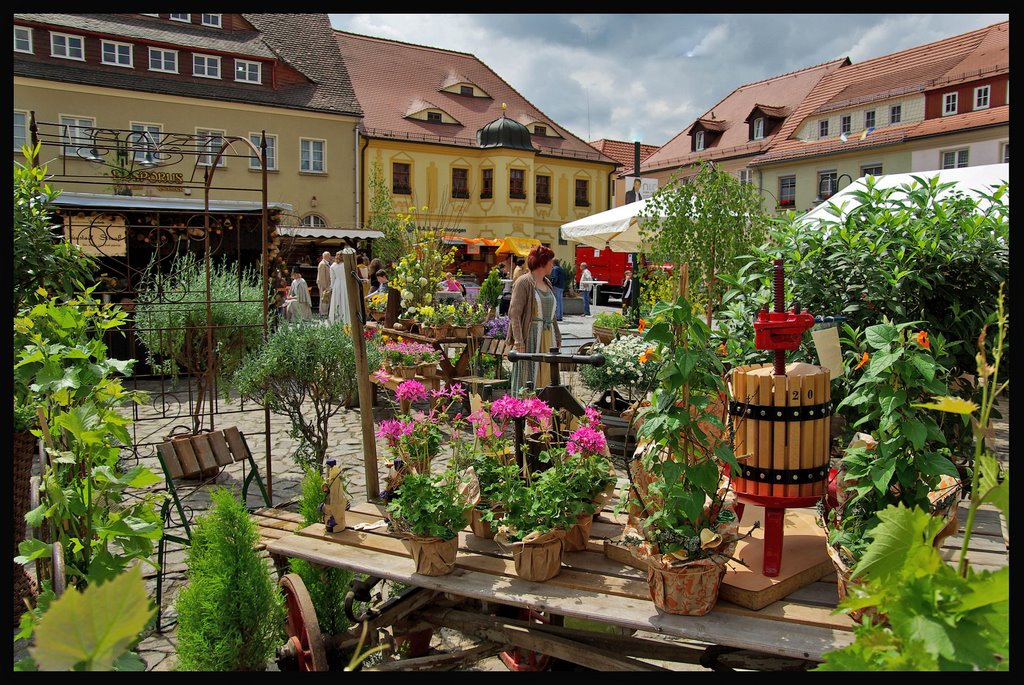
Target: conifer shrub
<point>231,614</point>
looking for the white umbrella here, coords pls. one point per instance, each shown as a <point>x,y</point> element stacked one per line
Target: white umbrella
<point>616,229</point>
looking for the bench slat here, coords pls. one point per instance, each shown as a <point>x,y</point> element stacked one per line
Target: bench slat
<point>170,459</point>
<point>235,443</point>
<point>204,454</point>
<point>220,447</point>
<point>187,457</point>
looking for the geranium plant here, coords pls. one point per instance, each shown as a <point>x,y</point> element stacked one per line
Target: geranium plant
<point>432,504</point>
<point>407,353</point>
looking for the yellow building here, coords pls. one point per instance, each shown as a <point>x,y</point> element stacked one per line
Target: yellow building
<point>200,78</point>
<point>451,135</point>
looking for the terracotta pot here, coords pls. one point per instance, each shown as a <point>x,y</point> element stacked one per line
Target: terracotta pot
<point>540,559</point>
<point>407,372</point>
<point>480,527</point>
<point>577,537</point>
<point>434,556</point>
<point>477,330</point>
<point>689,590</point>
<point>428,370</point>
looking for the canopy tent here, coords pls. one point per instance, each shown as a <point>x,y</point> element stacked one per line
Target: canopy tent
<point>327,232</point>
<point>616,229</point>
<point>972,181</point>
<point>520,247</point>
<point>460,240</point>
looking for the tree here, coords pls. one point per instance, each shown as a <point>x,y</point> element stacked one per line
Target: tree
<point>705,221</point>
<point>391,247</point>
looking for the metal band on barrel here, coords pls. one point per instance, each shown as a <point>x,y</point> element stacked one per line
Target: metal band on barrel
<point>761,412</point>
<point>785,476</point>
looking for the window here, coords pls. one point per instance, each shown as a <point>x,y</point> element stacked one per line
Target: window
<point>981,97</point>
<point>119,54</point>
<point>949,103</point>
<point>465,90</point>
<point>845,123</point>
<point>540,130</point>
<point>311,155</point>
<point>250,72</point>
<point>314,220</point>
<point>68,47</point>
<point>209,142</point>
<point>155,14</point>
<point>516,184</point>
<point>20,130</point>
<point>787,191</point>
<point>182,17</point>
<point>144,142</point>
<point>1005,154</point>
<point>486,184</point>
<point>460,183</point>
<point>163,60</point>
<point>823,128</point>
<point>746,177</point>
<point>582,192</point>
<point>698,141</point>
<point>206,66</point>
<point>869,119</point>
<point>954,159</point>
<point>254,160</point>
<point>211,20</point>
<point>22,39</point>
<point>758,128</point>
<point>434,117</point>
<point>400,184</point>
<point>895,114</point>
<point>77,140</point>
<point>871,170</point>
<point>543,190</point>
<point>826,184</point>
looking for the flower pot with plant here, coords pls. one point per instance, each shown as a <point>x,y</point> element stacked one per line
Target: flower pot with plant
<point>687,526</point>
<point>606,326</point>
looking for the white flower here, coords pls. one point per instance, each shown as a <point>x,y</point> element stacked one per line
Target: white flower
<point>427,298</point>
<point>423,281</point>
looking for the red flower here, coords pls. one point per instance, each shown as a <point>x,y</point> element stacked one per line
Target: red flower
<point>863,361</point>
<point>642,326</point>
<point>922,340</point>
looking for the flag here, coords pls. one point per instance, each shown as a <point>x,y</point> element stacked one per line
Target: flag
<point>866,132</point>
<point>842,137</point>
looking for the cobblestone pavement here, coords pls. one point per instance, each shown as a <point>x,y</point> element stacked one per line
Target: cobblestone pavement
<point>158,649</point>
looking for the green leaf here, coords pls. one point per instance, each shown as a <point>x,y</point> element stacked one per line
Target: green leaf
<point>916,432</point>
<point>986,589</point>
<point>894,401</point>
<point>992,491</point>
<point>932,634</point>
<point>935,465</point>
<point>130,662</point>
<point>902,535</point>
<point>881,473</point>
<point>882,361</point>
<point>93,628</point>
<point>33,549</point>
<point>880,335</point>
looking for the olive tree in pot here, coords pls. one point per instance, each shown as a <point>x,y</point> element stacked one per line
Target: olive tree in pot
<point>302,365</point>
<point>204,322</point>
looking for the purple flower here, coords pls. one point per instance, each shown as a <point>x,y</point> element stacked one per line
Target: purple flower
<point>497,327</point>
<point>411,391</point>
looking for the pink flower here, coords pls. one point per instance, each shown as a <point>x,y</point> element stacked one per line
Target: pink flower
<point>586,440</point>
<point>593,417</point>
<point>411,390</point>
<point>380,376</point>
<point>393,430</point>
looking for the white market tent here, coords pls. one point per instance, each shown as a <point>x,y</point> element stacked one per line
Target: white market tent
<point>972,181</point>
<point>616,229</point>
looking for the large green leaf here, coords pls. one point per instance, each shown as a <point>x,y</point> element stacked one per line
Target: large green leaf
<point>94,627</point>
<point>986,589</point>
<point>901,535</point>
<point>991,489</point>
<point>916,432</point>
<point>880,335</point>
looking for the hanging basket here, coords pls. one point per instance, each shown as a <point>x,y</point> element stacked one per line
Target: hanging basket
<point>540,558</point>
<point>577,537</point>
<point>687,590</point>
<point>433,556</point>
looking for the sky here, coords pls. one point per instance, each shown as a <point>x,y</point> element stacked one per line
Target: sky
<point>647,77</point>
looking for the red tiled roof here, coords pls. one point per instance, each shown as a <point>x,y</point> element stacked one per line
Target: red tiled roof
<point>991,56</point>
<point>910,70</point>
<point>387,75</point>
<point>786,90</point>
<point>962,122</point>
<point>770,110</point>
<point>622,151</point>
<point>714,125</point>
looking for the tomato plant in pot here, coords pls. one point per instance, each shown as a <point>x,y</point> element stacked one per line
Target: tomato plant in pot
<point>687,525</point>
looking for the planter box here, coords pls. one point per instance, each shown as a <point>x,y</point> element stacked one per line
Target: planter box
<point>572,305</point>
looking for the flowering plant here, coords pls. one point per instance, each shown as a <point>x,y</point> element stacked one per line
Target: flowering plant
<point>625,366</point>
<point>416,439</point>
<point>404,353</point>
<point>432,505</point>
<point>377,303</point>
<point>497,327</point>
<point>422,268</point>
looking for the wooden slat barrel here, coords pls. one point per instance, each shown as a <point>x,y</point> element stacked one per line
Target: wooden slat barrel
<point>781,429</point>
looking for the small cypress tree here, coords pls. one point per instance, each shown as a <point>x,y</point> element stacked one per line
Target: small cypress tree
<point>231,614</point>
<point>490,289</point>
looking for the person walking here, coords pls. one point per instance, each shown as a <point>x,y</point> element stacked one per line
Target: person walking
<point>627,291</point>
<point>586,285</point>
<point>298,306</point>
<point>558,280</point>
<point>532,325</point>
<point>339,292</point>
<point>323,282</point>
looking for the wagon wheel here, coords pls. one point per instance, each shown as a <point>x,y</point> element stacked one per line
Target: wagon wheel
<point>304,641</point>
<point>526,660</point>
<point>59,581</point>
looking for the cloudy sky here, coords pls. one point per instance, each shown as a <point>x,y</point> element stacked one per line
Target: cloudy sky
<point>648,76</point>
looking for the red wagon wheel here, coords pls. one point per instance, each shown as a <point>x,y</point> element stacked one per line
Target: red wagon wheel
<point>526,660</point>
<point>303,629</point>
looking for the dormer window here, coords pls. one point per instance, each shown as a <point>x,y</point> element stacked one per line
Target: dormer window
<point>465,90</point>
<point>187,18</point>
<point>434,117</point>
<point>540,130</point>
<point>698,141</point>
<point>759,128</point>
<point>213,20</point>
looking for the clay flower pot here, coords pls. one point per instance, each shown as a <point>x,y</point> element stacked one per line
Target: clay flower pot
<point>577,537</point>
<point>480,527</point>
<point>434,556</point>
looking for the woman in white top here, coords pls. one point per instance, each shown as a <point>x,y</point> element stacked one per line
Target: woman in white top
<point>339,292</point>
<point>299,303</point>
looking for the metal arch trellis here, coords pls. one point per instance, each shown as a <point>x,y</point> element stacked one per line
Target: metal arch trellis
<point>126,236</point>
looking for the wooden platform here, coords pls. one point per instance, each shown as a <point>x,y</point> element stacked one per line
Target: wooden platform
<point>591,586</point>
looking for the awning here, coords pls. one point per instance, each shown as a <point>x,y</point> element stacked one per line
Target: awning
<point>459,240</point>
<point>326,232</point>
<point>190,204</point>
<point>520,247</point>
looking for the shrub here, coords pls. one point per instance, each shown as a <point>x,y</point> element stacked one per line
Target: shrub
<point>622,368</point>
<point>302,364</point>
<point>490,290</point>
<point>231,614</point>
<point>612,320</point>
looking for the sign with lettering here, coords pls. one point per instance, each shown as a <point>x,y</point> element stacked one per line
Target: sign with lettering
<point>163,180</point>
<point>101,235</point>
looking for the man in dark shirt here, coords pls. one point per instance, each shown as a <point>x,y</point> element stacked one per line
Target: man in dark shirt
<point>557,278</point>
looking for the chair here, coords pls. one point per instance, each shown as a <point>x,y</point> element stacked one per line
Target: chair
<point>202,458</point>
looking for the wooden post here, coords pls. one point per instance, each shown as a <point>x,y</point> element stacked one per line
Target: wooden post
<point>393,306</point>
<point>362,377</point>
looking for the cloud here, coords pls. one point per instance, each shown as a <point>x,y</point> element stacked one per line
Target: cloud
<point>648,76</point>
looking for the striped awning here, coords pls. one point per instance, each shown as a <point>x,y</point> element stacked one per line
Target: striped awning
<point>327,232</point>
